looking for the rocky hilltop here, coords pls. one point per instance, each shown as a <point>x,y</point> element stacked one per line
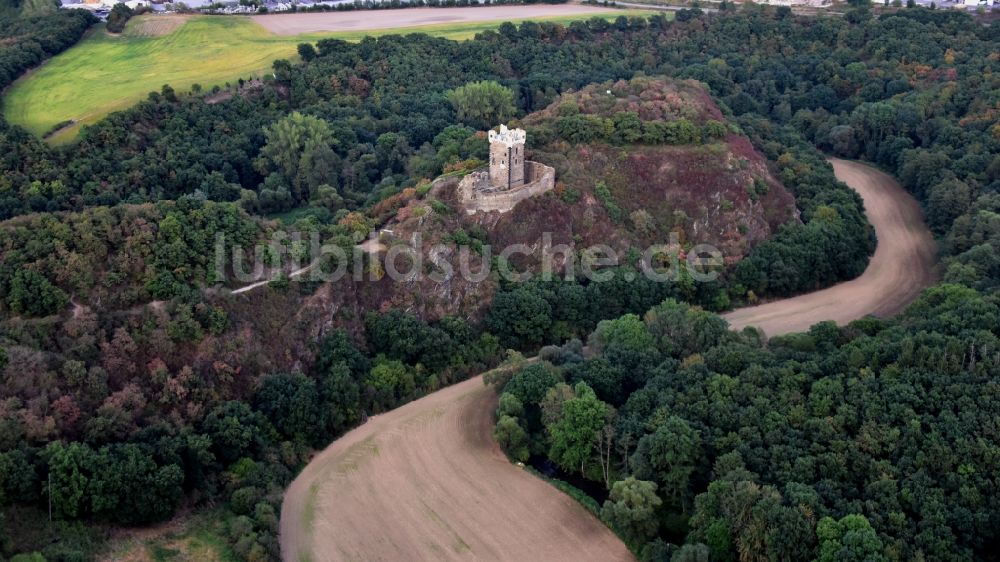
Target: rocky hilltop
<point>637,163</point>
<point>639,160</point>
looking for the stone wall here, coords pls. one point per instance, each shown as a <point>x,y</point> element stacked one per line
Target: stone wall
<point>477,195</point>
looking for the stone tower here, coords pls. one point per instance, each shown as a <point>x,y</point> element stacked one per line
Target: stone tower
<point>507,158</point>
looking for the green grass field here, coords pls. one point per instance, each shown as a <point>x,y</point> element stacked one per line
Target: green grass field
<point>105,72</point>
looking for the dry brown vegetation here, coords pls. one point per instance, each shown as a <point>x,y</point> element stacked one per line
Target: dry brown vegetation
<point>294,24</point>
<point>155,27</point>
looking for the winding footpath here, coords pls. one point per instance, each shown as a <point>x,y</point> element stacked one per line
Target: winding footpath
<point>427,482</point>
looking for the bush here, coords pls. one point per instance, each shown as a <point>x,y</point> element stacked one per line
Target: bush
<point>119,16</point>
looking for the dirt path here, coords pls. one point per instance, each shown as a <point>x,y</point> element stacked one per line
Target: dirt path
<point>370,246</point>
<point>294,24</point>
<point>427,482</point>
<point>903,264</point>
<point>291,275</point>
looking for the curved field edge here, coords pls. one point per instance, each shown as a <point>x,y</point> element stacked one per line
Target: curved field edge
<point>427,481</point>
<point>354,500</point>
<point>106,72</point>
<point>904,263</point>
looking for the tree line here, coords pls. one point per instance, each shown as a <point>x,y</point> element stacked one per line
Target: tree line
<point>132,453</point>
<point>27,41</point>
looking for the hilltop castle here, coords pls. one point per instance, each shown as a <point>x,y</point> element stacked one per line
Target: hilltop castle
<point>509,179</point>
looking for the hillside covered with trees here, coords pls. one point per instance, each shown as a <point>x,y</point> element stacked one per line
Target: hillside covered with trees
<point>140,387</point>
<point>876,441</point>
<point>26,41</point>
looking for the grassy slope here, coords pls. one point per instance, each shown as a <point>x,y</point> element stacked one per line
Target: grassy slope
<point>199,537</point>
<point>105,73</point>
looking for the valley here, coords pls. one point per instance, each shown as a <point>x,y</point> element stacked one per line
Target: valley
<point>428,480</point>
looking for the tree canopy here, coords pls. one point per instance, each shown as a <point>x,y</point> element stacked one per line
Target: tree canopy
<point>483,104</point>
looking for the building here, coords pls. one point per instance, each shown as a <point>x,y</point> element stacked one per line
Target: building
<point>507,157</point>
<point>509,179</point>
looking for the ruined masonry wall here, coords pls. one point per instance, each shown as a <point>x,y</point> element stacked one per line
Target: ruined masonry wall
<point>506,165</point>
<point>541,178</point>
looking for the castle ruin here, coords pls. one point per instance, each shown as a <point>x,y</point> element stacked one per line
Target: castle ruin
<point>509,179</point>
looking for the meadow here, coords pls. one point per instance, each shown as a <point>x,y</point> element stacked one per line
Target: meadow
<point>108,72</point>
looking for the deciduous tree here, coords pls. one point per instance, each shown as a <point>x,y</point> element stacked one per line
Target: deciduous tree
<point>573,435</point>
<point>483,104</point>
<point>631,509</point>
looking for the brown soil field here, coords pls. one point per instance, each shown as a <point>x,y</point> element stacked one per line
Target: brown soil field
<point>426,481</point>
<point>294,24</point>
<point>903,265</point>
<point>156,26</point>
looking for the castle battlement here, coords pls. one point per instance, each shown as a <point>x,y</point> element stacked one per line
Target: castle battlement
<point>508,137</point>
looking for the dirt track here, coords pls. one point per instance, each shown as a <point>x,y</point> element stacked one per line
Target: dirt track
<point>294,24</point>
<point>903,264</point>
<point>426,481</point>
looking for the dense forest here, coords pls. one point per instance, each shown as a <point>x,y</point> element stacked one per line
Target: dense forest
<point>876,441</point>
<point>124,373</point>
<point>27,41</point>
<point>382,121</point>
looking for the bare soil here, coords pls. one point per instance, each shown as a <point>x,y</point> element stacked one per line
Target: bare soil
<point>294,24</point>
<point>903,265</point>
<point>156,26</point>
<point>291,275</point>
<point>427,482</point>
